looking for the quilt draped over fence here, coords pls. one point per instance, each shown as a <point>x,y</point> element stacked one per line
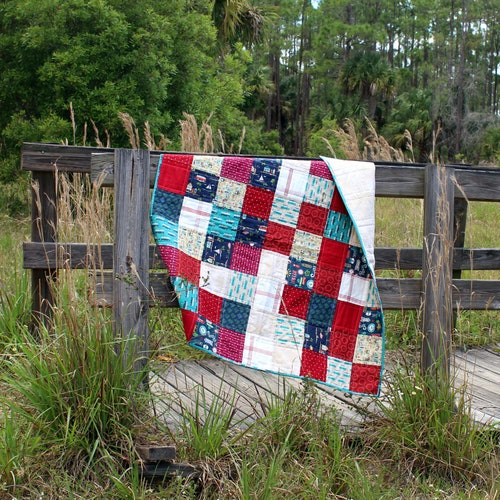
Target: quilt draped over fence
<point>272,263</point>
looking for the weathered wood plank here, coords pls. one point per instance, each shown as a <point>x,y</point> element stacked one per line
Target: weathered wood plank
<point>476,294</point>
<point>102,168</point>
<point>51,255</point>
<point>395,293</point>
<point>52,157</point>
<point>436,269</point>
<point>477,184</point>
<point>77,256</point>
<point>480,361</point>
<point>399,181</point>
<point>131,267</point>
<point>43,229</point>
<point>403,180</point>
<point>258,388</point>
<point>154,453</point>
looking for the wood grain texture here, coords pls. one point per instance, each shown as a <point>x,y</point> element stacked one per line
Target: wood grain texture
<point>47,255</point>
<point>437,314</point>
<point>131,266</point>
<point>178,386</point>
<point>43,230</point>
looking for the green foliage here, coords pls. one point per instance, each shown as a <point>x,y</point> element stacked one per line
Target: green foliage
<point>207,426</point>
<point>297,447</point>
<point>49,128</point>
<point>490,147</point>
<point>427,428</point>
<point>74,386</point>
<point>324,141</point>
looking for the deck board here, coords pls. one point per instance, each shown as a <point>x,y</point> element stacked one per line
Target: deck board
<point>179,386</point>
<point>478,370</point>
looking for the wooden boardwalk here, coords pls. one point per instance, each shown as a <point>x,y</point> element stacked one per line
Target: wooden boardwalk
<point>182,386</point>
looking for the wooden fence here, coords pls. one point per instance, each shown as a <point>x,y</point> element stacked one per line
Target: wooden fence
<point>132,278</point>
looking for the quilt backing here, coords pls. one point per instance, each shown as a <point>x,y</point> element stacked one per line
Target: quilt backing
<point>269,267</point>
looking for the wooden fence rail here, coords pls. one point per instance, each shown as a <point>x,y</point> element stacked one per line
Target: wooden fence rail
<point>133,279</point>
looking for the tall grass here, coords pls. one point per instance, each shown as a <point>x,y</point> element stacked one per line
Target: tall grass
<point>426,428</point>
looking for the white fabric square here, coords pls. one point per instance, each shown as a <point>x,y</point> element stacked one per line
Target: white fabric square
<point>298,165</point>
<point>338,373</point>
<point>291,183</point>
<point>258,352</point>
<point>261,324</point>
<point>195,214</point>
<point>287,359</point>
<point>268,295</point>
<point>273,265</point>
<point>215,279</point>
<point>354,289</point>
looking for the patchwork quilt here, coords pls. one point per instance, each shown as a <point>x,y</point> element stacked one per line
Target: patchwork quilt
<point>272,263</point>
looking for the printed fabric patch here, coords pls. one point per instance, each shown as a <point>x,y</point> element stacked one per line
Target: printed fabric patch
<point>269,268</point>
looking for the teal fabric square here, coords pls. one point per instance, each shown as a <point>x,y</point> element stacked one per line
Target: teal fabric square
<point>338,227</point>
<point>187,294</point>
<point>166,231</point>
<point>223,223</point>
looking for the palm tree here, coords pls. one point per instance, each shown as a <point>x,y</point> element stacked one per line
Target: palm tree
<point>370,75</point>
<point>237,21</point>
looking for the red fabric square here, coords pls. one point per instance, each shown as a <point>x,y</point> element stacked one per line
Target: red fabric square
<point>189,319</point>
<point>313,365</point>
<point>174,173</point>
<point>327,281</point>
<point>258,202</point>
<point>189,268</point>
<point>365,378</point>
<point>279,238</point>
<point>237,168</point>
<point>230,344</point>
<point>320,169</point>
<point>342,344</point>
<point>347,316</point>
<point>333,254</point>
<point>295,302</point>
<point>337,203</point>
<point>170,257</point>
<point>312,218</point>
<point>209,306</point>
<point>245,258</point>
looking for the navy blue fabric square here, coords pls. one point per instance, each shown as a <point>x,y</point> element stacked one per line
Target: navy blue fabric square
<point>300,273</point>
<point>316,338</point>
<point>251,230</point>
<point>356,263</point>
<point>167,204</point>
<point>371,321</point>
<point>321,310</point>
<point>265,173</point>
<point>217,251</point>
<point>235,315</point>
<point>205,335</point>
<point>202,186</point>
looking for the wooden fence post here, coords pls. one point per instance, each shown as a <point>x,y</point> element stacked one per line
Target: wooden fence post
<point>437,318</point>
<point>131,254</point>
<point>44,230</point>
